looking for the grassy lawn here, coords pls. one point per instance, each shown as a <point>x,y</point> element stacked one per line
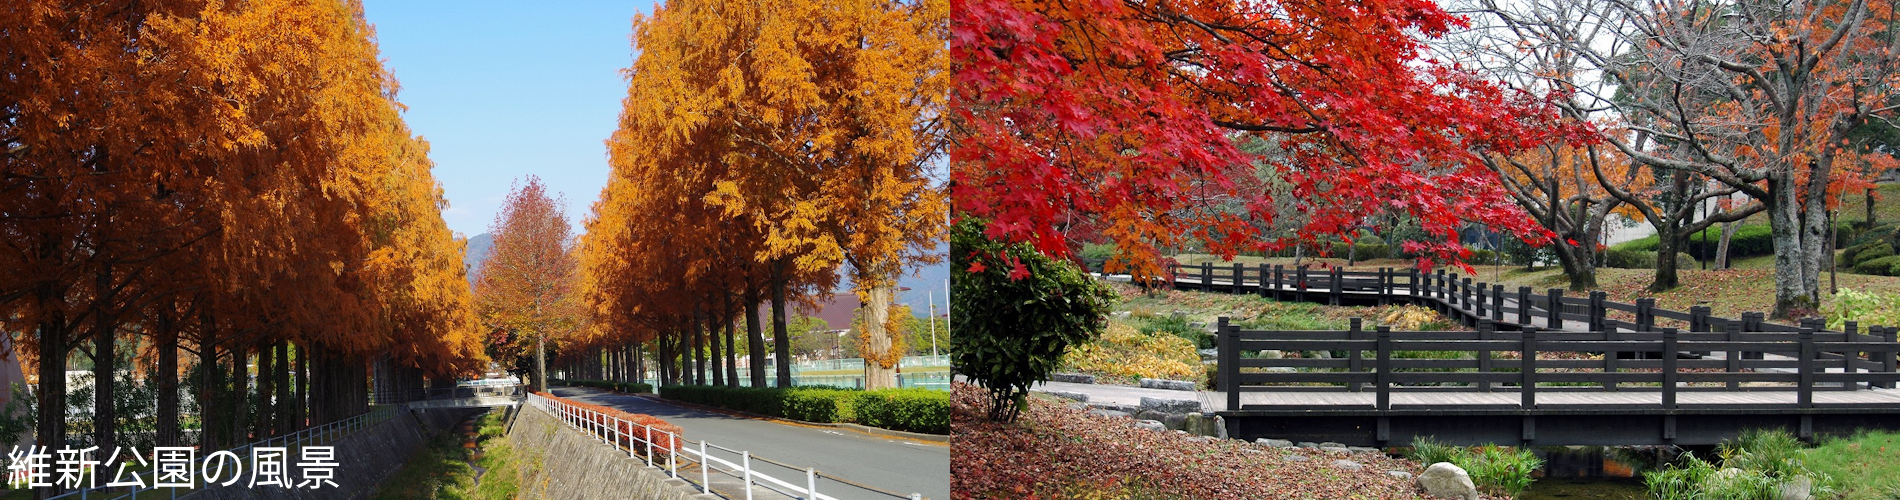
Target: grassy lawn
<point>1865,466</point>
<point>442,468</point>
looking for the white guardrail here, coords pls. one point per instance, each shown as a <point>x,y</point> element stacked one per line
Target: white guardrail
<point>316,435</point>
<point>633,437</point>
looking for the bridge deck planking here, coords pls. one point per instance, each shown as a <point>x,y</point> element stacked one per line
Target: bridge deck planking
<point>1556,399</point>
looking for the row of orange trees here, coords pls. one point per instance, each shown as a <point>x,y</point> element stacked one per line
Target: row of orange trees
<point>766,150</point>
<point>220,184</point>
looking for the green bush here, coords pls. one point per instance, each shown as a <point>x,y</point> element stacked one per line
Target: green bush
<point>1027,321</point>
<point>1754,467</point>
<point>1867,252</point>
<point>1177,326</point>
<point>1749,241</point>
<point>819,405</point>
<point>912,410</point>
<point>1883,266</point>
<point>1369,251</point>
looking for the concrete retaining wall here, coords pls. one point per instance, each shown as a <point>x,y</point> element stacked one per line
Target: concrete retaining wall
<point>364,459</point>
<point>563,463</point>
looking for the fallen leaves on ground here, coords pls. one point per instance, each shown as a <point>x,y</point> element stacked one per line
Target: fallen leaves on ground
<point>1056,451</point>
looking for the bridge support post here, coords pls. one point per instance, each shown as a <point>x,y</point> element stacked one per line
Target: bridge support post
<point>1385,286</point>
<point>1556,309</point>
<point>1486,331</point>
<point>1523,306</point>
<point>1889,357</point>
<point>1334,294</point>
<point>1699,322</point>
<point>1804,395</point>
<point>1207,277</point>
<point>1850,360</point>
<point>1646,322</point>
<point>1751,322</point>
<point>1527,371</point>
<point>1464,298</point>
<point>1478,305</point>
<point>1734,329</point>
<point>1355,359</point>
<point>1411,283</point>
<point>1279,275</point>
<point>1264,291</point>
<point>1497,302</point>
<point>1669,369</point>
<point>1229,344</point>
<point>1384,377</point>
<point>1301,278</point>
<point>1438,291</point>
<point>1597,323</point>
<point>1609,355</point>
<point>1240,279</point>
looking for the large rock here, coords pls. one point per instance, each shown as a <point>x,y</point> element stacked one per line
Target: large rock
<point>1198,425</point>
<point>1150,425</point>
<point>1073,378</point>
<point>1172,385</point>
<point>1070,395</point>
<point>1444,480</point>
<point>1270,354</point>
<point>1174,421</point>
<point>1165,405</point>
<point>1220,427</point>
<point>1399,474</point>
<point>1109,413</point>
<point>1347,464</point>
<point>1799,488</point>
<point>1276,443</point>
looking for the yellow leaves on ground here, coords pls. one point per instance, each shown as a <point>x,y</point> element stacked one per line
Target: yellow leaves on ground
<point>1125,352</point>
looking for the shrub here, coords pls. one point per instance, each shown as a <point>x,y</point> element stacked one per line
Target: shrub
<point>911,410</point>
<point>1865,308</point>
<point>1867,252</point>
<point>1178,326</point>
<point>1749,240</point>
<point>1028,321</point>
<point>818,405</point>
<point>1883,266</point>
<point>1754,466</point>
<point>1622,258</point>
<point>629,424</point>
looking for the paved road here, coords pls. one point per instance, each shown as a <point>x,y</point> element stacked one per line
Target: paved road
<point>900,466</point>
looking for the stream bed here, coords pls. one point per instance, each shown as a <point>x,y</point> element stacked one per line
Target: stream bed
<point>1592,488</point>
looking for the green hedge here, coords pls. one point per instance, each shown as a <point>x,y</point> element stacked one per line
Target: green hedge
<point>913,410</point>
<point>1866,252</point>
<point>1882,266</point>
<point>1749,241</point>
<point>630,387</point>
<point>1622,258</point>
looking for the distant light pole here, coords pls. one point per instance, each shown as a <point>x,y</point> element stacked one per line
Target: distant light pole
<point>932,298</point>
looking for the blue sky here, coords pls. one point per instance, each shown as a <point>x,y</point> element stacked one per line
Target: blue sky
<point>503,90</point>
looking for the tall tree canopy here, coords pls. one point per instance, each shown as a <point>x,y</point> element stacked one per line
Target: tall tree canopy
<point>1121,114</point>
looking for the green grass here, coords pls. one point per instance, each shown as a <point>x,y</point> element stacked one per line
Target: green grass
<point>1866,466</point>
<point>913,369</point>
<point>441,470</point>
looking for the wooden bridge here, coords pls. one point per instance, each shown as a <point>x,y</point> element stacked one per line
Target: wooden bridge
<point>1538,369</point>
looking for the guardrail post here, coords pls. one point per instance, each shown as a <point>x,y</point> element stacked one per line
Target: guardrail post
<point>1805,395</point>
<point>1464,295</point>
<point>1556,311</point>
<point>649,440</point>
<point>1734,329</point>
<point>704,485</point>
<point>1646,314</point>
<point>1229,361</point>
<point>1240,278</point>
<point>1411,284</point>
<point>1486,331</point>
<point>811,483</point>
<point>1597,323</point>
<point>1385,286</point>
<point>745,461</point>
<point>1528,368</point>
<point>1333,298</point>
<point>1355,360</point>
<point>1751,322</point>
<point>1384,402</point>
<point>1889,357</point>
<point>1438,291</point>
<point>1669,369</point>
<point>1524,306</point>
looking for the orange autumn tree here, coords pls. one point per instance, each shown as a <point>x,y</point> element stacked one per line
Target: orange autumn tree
<point>525,294</point>
<point>229,185</point>
<point>1760,96</point>
<point>814,121</point>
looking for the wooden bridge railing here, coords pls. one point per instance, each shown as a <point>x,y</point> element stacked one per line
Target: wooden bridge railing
<point>1373,362</point>
<point>1461,298</point>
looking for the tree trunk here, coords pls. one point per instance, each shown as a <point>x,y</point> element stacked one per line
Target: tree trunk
<point>732,347</point>
<point>1667,243</point>
<point>167,344</point>
<point>1579,263</point>
<point>755,336</point>
<point>266,388</point>
<point>240,393</point>
<point>718,362</point>
<point>781,340</point>
<point>1784,223</point>
<point>880,364</point>
<point>1721,248</point>
<point>1870,208</point>
<point>300,415</point>
<point>540,365</point>
<point>51,428</point>
<point>210,385</point>
<point>105,357</point>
